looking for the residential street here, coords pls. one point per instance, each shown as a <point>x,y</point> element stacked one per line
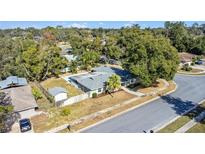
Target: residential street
<point>191,90</point>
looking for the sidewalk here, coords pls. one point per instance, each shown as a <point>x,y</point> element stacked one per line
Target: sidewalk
<point>190,124</point>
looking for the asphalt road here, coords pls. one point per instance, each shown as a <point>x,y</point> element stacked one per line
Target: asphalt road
<point>191,90</point>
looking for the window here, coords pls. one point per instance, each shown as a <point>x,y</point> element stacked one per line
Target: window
<point>99,90</point>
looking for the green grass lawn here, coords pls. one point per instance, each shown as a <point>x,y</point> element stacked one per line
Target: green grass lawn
<point>198,128</point>
<point>59,82</point>
<point>183,120</point>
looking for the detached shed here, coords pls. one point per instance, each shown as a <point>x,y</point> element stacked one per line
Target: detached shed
<point>59,94</point>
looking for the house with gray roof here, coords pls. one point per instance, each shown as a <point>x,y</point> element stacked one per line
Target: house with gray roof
<point>58,93</point>
<point>95,81</point>
<point>20,93</point>
<point>12,81</point>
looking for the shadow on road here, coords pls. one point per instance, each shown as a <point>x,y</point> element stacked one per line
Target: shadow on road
<point>180,106</point>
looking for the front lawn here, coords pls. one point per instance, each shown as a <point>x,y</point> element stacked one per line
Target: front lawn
<point>141,100</point>
<point>155,87</point>
<point>59,82</point>
<point>53,117</point>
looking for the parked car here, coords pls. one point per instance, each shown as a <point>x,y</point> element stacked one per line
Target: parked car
<point>199,62</point>
<point>25,125</point>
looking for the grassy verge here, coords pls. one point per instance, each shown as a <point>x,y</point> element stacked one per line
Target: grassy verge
<point>198,128</point>
<point>86,123</point>
<point>171,128</point>
<point>53,116</point>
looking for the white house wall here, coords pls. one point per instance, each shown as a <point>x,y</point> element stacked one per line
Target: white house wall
<point>60,97</point>
<point>28,113</point>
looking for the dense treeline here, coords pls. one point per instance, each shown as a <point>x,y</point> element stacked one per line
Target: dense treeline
<point>148,53</point>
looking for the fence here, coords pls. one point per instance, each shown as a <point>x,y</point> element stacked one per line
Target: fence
<point>48,96</point>
<point>75,99</point>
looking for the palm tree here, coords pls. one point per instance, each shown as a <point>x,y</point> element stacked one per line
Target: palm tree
<point>113,83</point>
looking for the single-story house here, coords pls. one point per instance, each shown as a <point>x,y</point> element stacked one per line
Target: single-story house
<point>113,62</point>
<point>95,81</point>
<point>71,57</point>
<point>18,90</point>
<point>58,93</point>
<point>186,58</point>
<point>103,59</point>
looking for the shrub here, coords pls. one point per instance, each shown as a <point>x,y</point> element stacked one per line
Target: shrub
<point>65,112</point>
<point>186,67</point>
<point>94,95</point>
<point>36,93</point>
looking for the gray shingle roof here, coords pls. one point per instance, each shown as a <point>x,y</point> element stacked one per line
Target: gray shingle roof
<point>124,74</point>
<point>56,90</point>
<point>92,81</point>
<point>13,80</point>
<point>98,78</point>
<point>21,98</point>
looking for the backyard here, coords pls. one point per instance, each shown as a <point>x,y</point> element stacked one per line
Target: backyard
<point>59,82</point>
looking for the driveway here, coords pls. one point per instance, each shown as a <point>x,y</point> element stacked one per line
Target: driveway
<point>190,91</point>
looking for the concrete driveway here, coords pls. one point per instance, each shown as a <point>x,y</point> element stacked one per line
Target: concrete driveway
<point>191,90</point>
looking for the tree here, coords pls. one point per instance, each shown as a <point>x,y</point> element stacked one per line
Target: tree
<point>89,59</point>
<point>178,34</point>
<point>73,66</point>
<point>6,108</point>
<point>149,57</point>
<point>42,63</point>
<point>113,83</point>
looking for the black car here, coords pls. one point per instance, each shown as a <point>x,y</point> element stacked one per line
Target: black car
<point>25,125</point>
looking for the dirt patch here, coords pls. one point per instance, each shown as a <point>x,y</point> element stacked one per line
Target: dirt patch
<point>86,123</point>
<point>157,86</point>
<point>54,117</point>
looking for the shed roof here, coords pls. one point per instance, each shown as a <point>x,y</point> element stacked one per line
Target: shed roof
<point>56,90</point>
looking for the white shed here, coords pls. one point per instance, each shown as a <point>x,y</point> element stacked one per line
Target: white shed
<point>58,93</point>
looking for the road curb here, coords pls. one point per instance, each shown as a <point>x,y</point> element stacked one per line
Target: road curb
<point>158,128</point>
<point>195,75</point>
<point>128,110</point>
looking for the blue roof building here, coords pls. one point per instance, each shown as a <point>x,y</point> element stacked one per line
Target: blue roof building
<point>96,80</point>
<point>13,81</point>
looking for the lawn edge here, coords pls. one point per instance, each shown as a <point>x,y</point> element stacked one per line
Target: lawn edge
<point>171,121</point>
<point>125,111</point>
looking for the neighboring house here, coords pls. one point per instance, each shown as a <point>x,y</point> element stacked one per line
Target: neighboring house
<point>70,57</point>
<point>113,62</point>
<point>103,59</point>
<point>95,82</point>
<point>58,93</point>
<point>18,90</point>
<point>186,58</point>
<point>12,81</point>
